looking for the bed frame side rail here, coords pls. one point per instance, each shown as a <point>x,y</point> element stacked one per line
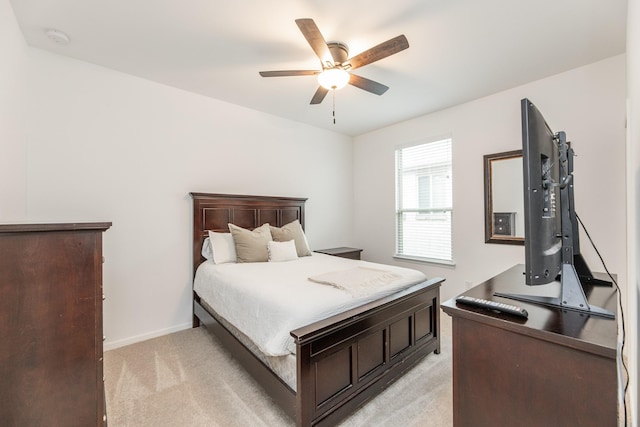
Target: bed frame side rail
<point>279,392</point>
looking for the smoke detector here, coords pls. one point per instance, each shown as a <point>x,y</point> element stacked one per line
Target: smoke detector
<point>57,36</point>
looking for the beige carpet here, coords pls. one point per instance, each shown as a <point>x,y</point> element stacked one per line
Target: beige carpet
<point>188,379</point>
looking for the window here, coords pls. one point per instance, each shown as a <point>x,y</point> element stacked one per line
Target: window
<point>424,202</point>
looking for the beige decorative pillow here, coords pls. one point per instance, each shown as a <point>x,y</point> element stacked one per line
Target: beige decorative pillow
<point>251,245</point>
<point>292,231</point>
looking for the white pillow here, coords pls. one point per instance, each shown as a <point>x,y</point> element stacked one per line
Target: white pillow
<point>206,249</point>
<point>223,247</point>
<point>282,251</point>
<point>292,231</point>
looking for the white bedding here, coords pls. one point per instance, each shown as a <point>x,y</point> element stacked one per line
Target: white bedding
<point>267,300</point>
<point>359,281</point>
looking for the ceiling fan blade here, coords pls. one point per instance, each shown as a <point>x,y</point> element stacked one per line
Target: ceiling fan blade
<point>368,85</point>
<point>379,52</point>
<point>313,35</point>
<point>319,95</point>
<point>286,73</point>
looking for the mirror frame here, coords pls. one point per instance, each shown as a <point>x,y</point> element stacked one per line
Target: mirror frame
<point>489,237</point>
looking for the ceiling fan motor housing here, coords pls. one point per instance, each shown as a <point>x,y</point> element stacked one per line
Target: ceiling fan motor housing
<point>339,52</point>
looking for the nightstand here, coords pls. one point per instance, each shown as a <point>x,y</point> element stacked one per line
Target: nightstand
<point>351,253</point>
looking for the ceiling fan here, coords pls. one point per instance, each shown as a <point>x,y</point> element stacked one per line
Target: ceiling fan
<point>336,64</point>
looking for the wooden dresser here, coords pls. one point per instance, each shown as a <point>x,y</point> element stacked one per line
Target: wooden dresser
<point>556,368</point>
<point>51,324</point>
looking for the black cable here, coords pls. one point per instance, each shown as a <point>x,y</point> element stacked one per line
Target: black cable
<point>624,365</point>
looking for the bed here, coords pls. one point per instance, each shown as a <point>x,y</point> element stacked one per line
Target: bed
<point>340,362</point>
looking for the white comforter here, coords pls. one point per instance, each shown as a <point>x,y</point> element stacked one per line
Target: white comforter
<point>267,300</point>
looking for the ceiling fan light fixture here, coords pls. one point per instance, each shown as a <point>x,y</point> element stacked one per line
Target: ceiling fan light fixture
<point>333,78</point>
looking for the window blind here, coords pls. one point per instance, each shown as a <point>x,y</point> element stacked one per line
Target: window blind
<point>424,201</point>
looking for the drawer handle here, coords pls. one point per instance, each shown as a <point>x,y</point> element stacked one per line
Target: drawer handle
<point>104,338</point>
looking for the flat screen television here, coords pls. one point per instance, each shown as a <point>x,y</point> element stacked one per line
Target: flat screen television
<point>552,248</point>
<point>542,209</point>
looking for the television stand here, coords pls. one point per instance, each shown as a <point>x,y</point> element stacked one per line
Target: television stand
<point>555,368</point>
<point>572,295</point>
<point>584,272</point>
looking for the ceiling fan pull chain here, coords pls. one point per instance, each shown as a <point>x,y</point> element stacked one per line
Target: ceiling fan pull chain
<point>334,106</point>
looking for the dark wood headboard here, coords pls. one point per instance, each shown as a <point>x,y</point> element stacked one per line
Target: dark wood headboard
<point>215,211</point>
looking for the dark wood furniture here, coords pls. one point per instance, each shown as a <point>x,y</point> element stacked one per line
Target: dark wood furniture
<point>342,361</point>
<point>351,253</point>
<point>556,368</point>
<point>51,325</point>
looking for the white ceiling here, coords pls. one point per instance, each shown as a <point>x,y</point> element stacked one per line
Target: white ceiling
<point>459,49</point>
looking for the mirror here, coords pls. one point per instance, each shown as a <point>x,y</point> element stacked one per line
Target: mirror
<point>503,198</point>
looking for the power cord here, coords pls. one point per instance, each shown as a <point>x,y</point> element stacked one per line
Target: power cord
<point>623,335</point>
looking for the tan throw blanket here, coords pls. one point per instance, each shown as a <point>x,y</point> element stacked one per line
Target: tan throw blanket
<point>357,281</point>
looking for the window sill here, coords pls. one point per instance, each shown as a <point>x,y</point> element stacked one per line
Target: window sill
<point>439,262</point>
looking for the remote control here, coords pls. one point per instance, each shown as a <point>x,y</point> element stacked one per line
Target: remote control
<point>492,305</point>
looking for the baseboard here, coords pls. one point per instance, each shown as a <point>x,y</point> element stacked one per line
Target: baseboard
<point>111,345</point>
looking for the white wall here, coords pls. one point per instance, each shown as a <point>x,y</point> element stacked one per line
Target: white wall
<point>13,166</point>
<point>588,103</point>
<point>111,147</point>
<point>633,205</point>
<point>105,146</point>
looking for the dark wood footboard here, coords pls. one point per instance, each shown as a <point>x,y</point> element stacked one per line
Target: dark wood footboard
<point>346,360</point>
